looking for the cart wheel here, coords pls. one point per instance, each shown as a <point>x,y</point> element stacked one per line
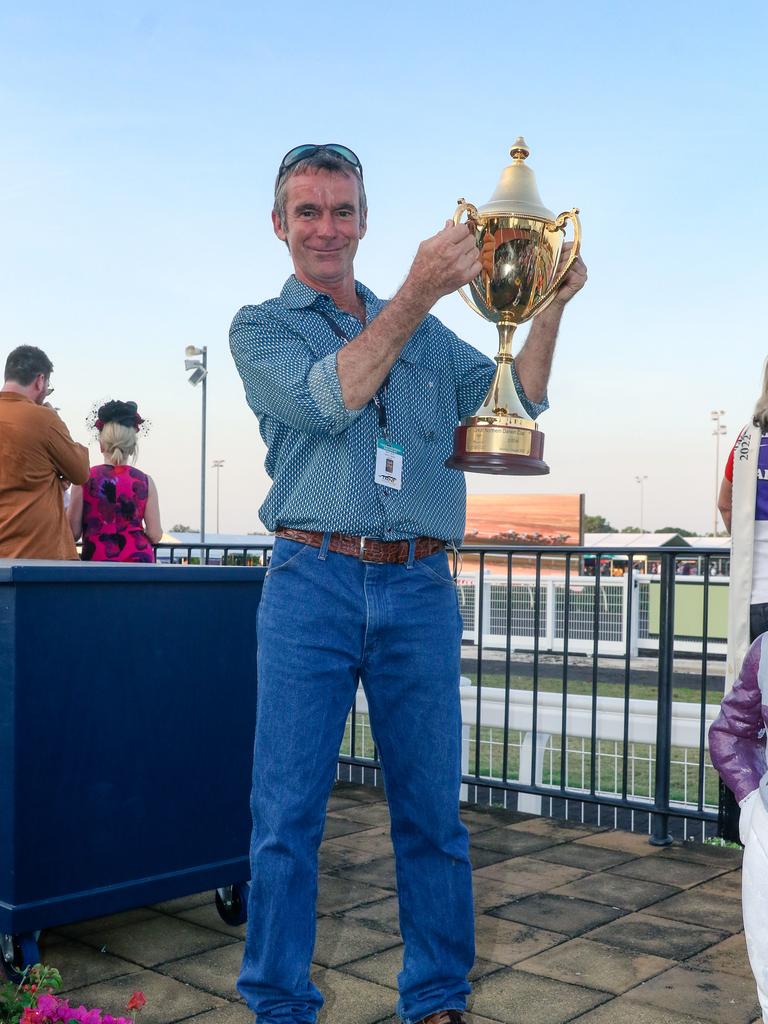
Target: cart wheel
<point>232,903</point>
<point>18,953</point>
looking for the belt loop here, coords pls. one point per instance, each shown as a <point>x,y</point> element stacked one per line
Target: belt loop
<point>323,553</point>
<point>411,553</point>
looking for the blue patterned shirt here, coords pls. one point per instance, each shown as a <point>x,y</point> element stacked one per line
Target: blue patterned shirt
<point>321,456</point>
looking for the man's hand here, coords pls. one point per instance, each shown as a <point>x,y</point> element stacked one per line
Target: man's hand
<point>444,262</point>
<point>574,280</point>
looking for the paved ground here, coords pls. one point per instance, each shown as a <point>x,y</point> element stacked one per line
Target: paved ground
<point>573,924</point>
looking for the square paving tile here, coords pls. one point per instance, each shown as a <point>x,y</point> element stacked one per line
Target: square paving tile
<point>355,791</point>
<point>82,965</point>
<point>384,967</point>
<point>617,891</point>
<point>383,914</point>
<point>108,922</point>
<point>375,841</point>
<point>705,908</point>
<point>341,940</point>
<point>350,1000</point>
<point>511,842</point>
<point>680,873</point>
<point>208,916</point>
<point>336,826</point>
<point>627,842</point>
<point>522,876</point>
<point>379,873</point>
<point>507,942</point>
<point>230,1013</point>
<point>703,853</point>
<point>644,933</point>
<point>515,997</point>
<point>624,1011</point>
<point>184,903</point>
<point>332,858</point>
<point>727,886</point>
<point>368,814</point>
<point>589,858</point>
<point>215,971</point>
<point>564,914</point>
<point>167,999</point>
<point>596,965</point>
<point>337,894</point>
<point>157,940</point>
<point>730,956</point>
<point>716,996</point>
<point>481,858</point>
<point>554,828</point>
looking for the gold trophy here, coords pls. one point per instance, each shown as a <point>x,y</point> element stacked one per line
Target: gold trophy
<point>520,242</point>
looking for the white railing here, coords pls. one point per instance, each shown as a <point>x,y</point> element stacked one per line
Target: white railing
<point>611,620</point>
<point>609,741</point>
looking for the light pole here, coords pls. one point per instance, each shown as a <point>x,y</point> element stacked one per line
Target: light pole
<point>217,464</point>
<point>641,480</point>
<point>199,368</point>
<point>719,430</point>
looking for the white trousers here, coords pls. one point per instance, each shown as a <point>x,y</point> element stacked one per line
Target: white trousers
<point>754,896</point>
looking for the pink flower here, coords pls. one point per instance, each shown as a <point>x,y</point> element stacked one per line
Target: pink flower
<point>31,1016</point>
<point>47,1005</point>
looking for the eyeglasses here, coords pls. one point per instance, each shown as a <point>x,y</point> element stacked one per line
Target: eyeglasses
<point>293,156</point>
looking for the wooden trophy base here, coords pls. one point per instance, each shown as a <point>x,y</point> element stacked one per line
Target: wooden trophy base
<point>498,448</point>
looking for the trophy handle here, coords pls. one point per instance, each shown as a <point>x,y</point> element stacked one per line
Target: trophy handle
<point>471,212</point>
<point>560,222</point>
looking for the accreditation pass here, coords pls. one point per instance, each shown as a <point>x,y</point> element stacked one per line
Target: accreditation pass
<point>389,464</point>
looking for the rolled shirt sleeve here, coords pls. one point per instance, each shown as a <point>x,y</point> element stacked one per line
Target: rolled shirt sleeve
<point>284,378</point>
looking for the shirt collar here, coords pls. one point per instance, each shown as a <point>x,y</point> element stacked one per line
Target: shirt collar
<point>297,295</point>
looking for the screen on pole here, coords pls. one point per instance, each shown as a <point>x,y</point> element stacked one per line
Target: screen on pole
<point>535,519</point>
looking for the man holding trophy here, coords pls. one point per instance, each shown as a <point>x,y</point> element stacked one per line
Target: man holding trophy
<point>357,401</point>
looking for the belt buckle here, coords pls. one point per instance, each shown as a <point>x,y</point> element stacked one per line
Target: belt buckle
<point>361,555</point>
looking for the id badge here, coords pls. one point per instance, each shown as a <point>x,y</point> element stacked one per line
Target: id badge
<point>389,464</point>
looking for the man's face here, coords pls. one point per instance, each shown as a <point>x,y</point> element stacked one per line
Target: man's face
<point>322,227</point>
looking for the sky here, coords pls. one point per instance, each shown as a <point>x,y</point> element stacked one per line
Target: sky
<point>139,147</point>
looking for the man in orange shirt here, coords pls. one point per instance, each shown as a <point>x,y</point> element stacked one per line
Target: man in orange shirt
<point>38,459</point>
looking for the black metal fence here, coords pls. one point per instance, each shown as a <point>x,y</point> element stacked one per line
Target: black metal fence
<point>600,722</point>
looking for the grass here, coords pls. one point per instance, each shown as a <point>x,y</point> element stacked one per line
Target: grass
<point>550,684</point>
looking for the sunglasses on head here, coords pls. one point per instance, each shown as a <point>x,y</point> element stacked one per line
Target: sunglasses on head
<point>298,153</point>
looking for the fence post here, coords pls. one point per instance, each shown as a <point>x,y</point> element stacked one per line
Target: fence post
<point>660,828</point>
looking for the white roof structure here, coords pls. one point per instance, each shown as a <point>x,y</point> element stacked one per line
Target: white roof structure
<point>607,541</point>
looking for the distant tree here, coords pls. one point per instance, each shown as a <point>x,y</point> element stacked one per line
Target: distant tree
<point>676,529</point>
<point>632,529</point>
<point>597,524</point>
<point>182,528</point>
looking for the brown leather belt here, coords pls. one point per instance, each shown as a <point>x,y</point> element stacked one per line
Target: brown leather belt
<point>367,549</point>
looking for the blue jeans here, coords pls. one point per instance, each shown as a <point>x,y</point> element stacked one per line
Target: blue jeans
<point>327,620</point>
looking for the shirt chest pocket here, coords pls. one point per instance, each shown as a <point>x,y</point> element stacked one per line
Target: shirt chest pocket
<point>427,403</point>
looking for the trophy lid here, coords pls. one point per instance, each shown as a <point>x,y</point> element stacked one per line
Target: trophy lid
<point>516,191</point>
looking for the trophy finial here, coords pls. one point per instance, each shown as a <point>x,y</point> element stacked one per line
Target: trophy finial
<point>520,150</point>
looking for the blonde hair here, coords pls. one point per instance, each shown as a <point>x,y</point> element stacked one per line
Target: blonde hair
<point>760,415</point>
<point>118,443</point>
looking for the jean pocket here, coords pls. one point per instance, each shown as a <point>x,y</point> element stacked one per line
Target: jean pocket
<point>285,553</point>
<point>437,568</point>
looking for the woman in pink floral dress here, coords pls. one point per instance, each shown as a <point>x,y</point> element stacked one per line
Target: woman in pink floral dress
<point>117,511</point>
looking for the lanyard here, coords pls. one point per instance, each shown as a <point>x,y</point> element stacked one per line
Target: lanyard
<point>379,399</point>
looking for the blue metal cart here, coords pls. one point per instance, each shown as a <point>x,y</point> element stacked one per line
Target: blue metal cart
<point>127,707</point>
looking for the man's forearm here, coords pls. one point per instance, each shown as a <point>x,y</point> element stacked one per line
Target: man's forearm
<point>534,362</point>
<point>363,364</point>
